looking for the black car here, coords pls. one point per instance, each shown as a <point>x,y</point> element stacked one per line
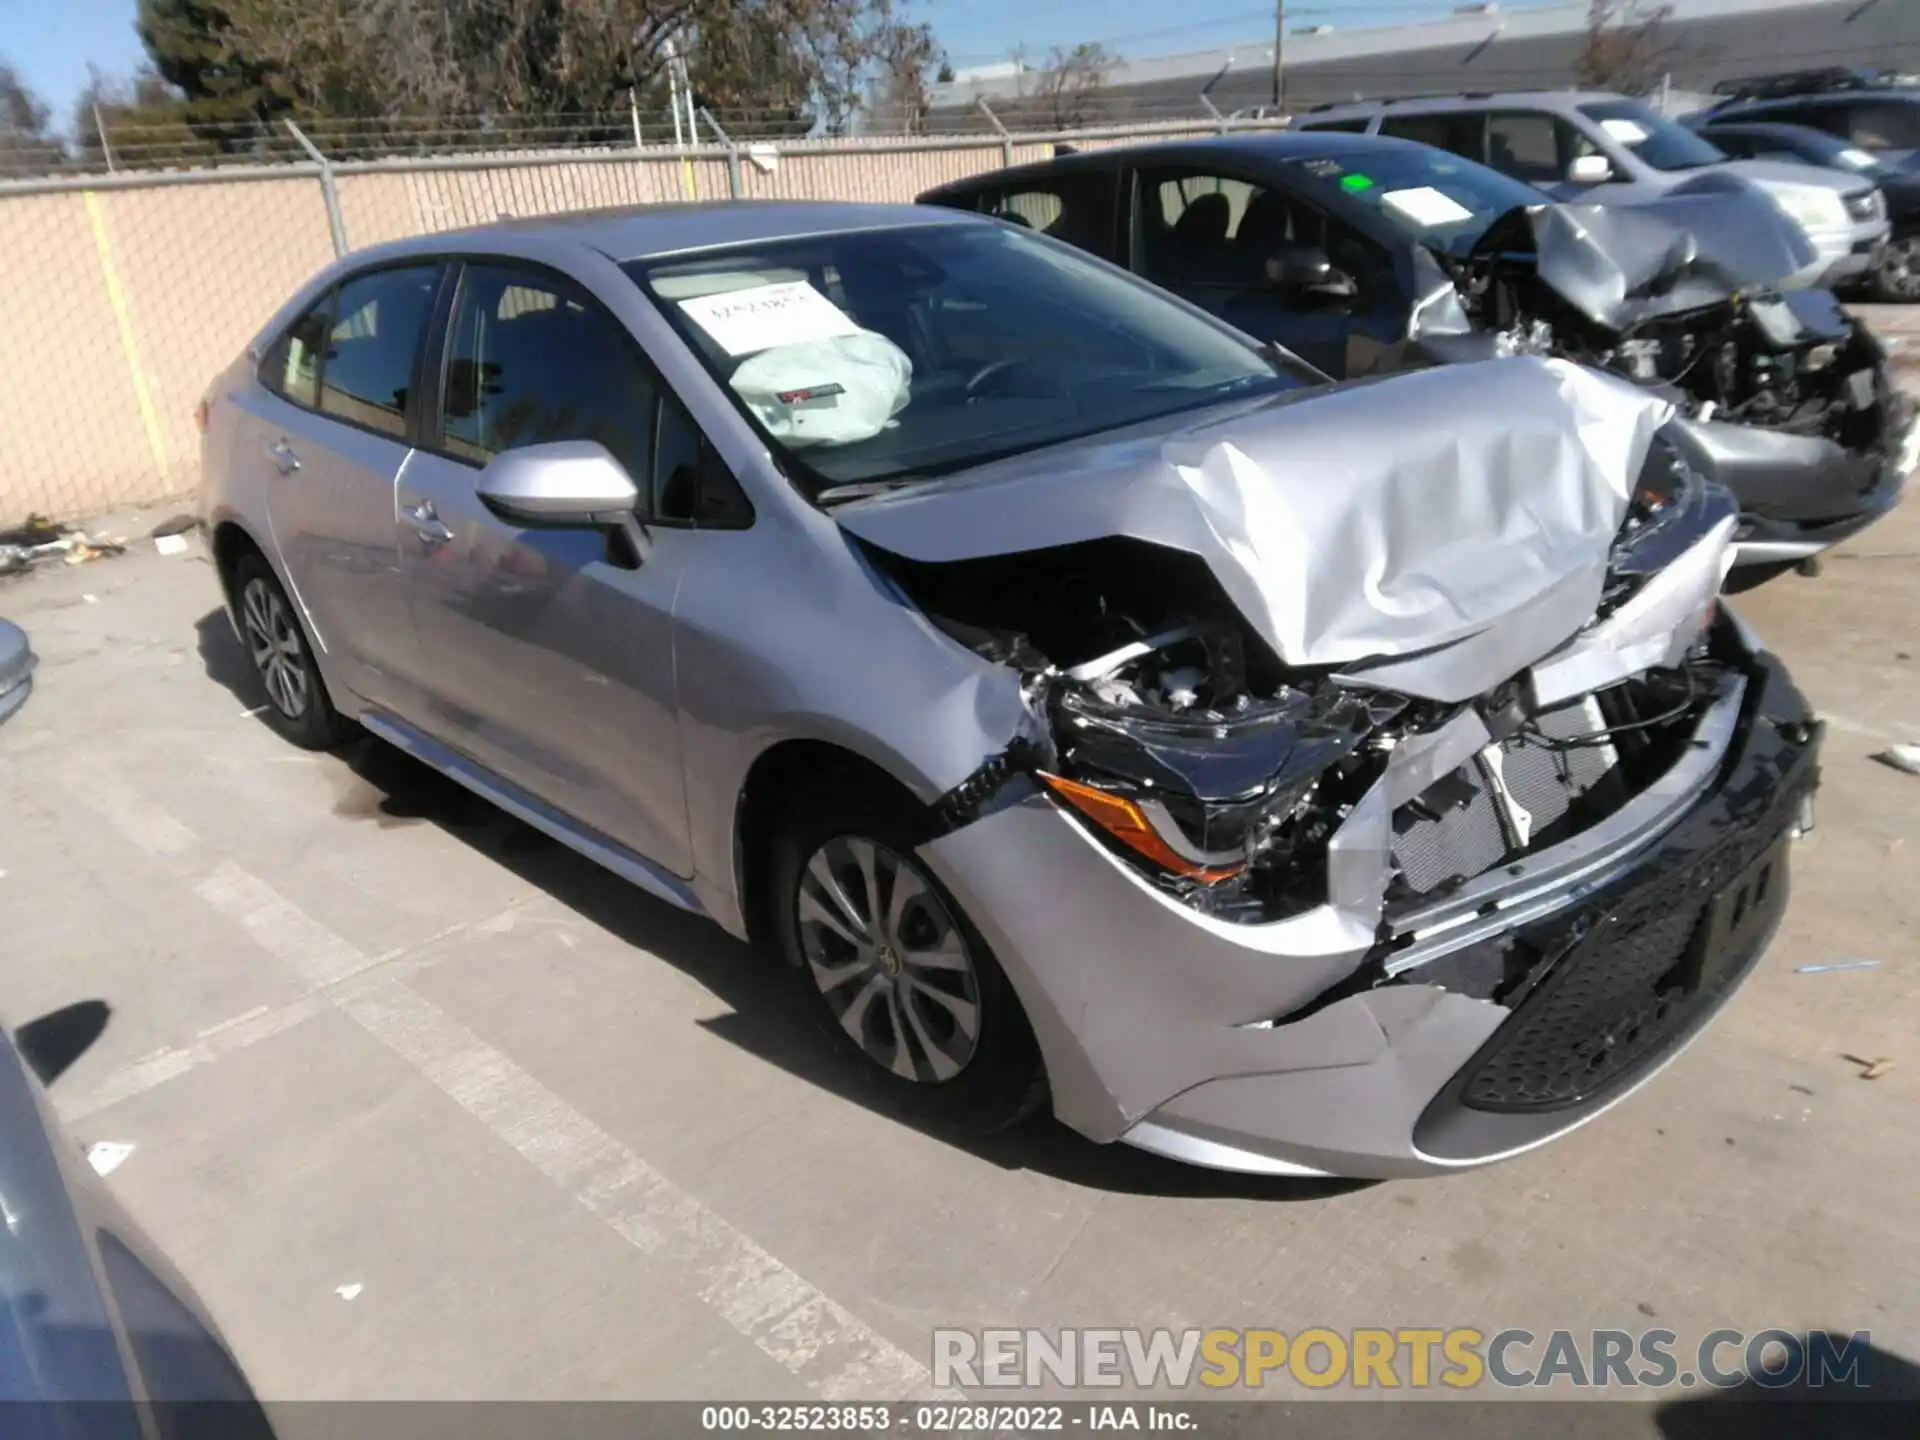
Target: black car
<point>1875,111</point>
<point>1896,274</point>
<point>1364,254</point>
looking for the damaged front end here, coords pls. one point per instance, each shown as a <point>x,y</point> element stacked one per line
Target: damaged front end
<point>1373,793</point>
<point>1782,397</point>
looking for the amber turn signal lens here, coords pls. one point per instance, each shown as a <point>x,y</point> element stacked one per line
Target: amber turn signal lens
<point>1123,820</point>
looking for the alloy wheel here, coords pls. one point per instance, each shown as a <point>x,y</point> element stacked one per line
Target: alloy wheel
<point>273,641</point>
<point>1900,268</point>
<point>889,958</point>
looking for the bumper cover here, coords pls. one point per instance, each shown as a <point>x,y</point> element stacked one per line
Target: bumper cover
<point>1157,1023</point>
<point>1799,494</point>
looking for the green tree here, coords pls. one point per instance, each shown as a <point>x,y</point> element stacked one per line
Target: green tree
<point>27,146</point>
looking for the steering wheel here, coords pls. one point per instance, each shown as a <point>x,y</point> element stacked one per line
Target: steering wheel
<point>985,373</point>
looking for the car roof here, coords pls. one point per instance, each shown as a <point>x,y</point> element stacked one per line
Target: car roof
<point>1900,94</point>
<point>1261,145</point>
<point>641,232</point>
<point>1558,100</point>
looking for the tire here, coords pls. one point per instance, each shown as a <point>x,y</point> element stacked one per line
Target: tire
<point>298,707</point>
<point>851,827</point>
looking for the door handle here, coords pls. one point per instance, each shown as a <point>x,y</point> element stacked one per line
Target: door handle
<point>284,460</point>
<point>427,525</point>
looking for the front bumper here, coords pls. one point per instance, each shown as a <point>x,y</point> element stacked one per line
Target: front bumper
<point>1800,495</point>
<point>1842,255</point>
<point>1312,1048</point>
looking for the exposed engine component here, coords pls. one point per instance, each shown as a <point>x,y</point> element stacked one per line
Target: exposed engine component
<point>1171,729</point>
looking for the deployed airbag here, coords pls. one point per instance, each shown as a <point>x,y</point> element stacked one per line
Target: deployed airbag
<point>833,391</point>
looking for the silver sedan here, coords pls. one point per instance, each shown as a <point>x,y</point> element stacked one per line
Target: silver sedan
<point>1089,706</point>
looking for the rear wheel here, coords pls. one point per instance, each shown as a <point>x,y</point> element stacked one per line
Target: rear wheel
<point>298,707</point>
<point>1897,275</point>
<point>891,969</point>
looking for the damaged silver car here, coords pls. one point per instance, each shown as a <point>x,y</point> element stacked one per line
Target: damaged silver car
<point>1366,255</point>
<point>1090,707</point>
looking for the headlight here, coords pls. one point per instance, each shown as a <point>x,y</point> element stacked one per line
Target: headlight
<point>1811,207</point>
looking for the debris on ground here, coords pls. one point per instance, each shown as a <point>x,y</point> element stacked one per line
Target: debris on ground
<point>347,1292</point>
<point>173,525</point>
<point>1870,1069</point>
<point>37,540</point>
<point>1901,757</point>
<point>170,544</point>
<point>105,1156</point>
<point>1836,965</point>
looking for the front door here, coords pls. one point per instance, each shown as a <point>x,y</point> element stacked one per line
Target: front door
<point>327,432</point>
<point>547,654</point>
<point>1208,237</point>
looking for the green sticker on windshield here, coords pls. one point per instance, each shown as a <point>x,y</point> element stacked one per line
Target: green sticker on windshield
<point>1356,182</point>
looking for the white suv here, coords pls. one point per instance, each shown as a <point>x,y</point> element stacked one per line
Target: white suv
<point>1612,149</point>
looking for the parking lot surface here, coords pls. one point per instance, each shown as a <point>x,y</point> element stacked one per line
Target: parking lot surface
<point>427,1107</point>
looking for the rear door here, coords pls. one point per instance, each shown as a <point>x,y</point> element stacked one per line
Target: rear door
<point>547,653</point>
<point>327,432</point>
<point>1207,235</point>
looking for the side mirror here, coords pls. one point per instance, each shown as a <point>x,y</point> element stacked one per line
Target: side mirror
<point>1302,267</point>
<point>1589,170</point>
<point>564,483</point>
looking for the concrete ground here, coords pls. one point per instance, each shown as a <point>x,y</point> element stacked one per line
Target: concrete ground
<point>427,1107</point>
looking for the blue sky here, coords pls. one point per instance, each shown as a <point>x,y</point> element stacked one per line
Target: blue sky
<point>52,41</point>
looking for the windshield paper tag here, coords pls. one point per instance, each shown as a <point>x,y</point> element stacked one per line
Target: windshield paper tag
<point>1627,132</point>
<point>765,317</point>
<point>811,395</point>
<point>1425,205</point>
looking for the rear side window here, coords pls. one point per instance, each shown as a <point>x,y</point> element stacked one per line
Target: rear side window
<point>368,366</point>
<point>1078,208</point>
<point>1525,146</point>
<point>292,367</point>
<point>1885,125</point>
<point>1458,131</point>
<point>533,359</point>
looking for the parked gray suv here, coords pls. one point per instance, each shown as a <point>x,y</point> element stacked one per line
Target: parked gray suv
<point>1611,149</point>
<point>1083,700</point>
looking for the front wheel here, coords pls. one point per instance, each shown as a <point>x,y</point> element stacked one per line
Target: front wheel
<point>891,968</point>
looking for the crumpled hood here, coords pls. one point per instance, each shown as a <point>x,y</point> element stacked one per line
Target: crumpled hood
<point>1622,264</point>
<point>1377,519</point>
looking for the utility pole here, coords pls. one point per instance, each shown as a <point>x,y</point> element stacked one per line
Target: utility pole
<point>1279,48</point>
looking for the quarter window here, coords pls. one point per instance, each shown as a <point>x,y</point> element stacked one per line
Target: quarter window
<point>371,346</point>
<point>1076,208</point>
<point>532,359</point>
<point>292,367</point>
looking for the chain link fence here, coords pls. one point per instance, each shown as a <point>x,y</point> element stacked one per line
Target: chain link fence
<point>130,291</point>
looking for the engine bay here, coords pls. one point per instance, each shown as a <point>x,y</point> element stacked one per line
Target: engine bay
<point>1793,363</point>
<point>1219,773</point>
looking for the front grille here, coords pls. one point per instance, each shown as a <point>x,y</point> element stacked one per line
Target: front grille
<point>1869,206</point>
<point>1620,997</point>
<point>1504,802</point>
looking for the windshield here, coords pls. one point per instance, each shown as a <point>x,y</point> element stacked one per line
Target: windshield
<point>1652,138</point>
<point>894,354</point>
<point>1437,198</point>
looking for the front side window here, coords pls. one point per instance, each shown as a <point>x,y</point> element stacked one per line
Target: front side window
<point>531,359</point>
<point>1654,140</point>
<point>377,323</point>
<point>1193,228</point>
<point>292,367</point>
<point>900,353</point>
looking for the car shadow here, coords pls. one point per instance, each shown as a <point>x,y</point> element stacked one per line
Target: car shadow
<point>1871,1394</point>
<point>386,787</point>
